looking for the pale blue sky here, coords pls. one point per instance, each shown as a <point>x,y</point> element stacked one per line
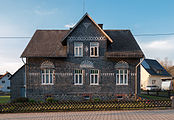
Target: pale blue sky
<point>23,17</point>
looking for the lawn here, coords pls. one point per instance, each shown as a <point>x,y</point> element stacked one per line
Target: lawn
<point>4,99</point>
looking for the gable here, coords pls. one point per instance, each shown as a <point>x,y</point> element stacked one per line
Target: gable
<point>86,29</point>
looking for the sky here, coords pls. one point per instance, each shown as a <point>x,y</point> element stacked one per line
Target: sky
<point>21,18</point>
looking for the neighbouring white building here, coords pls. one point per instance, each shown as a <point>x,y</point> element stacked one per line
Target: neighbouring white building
<point>152,73</point>
<point>5,82</point>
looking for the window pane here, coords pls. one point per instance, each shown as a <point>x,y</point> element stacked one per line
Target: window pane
<point>77,44</point>
<point>43,78</point>
<point>47,78</point>
<point>80,51</point>
<point>76,51</point>
<point>92,51</point>
<point>125,71</point>
<point>125,79</point>
<point>121,79</point>
<point>121,71</point>
<point>117,79</point>
<point>76,78</point>
<point>93,44</point>
<point>95,51</point>
<point>92,78</point>
<point>96,79</point>
<point>80,79</point>
<point>117,71</point>
<point>47,70</point>
<point>51,78</point>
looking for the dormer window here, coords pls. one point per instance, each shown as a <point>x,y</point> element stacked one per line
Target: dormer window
<point>94,49</point>
<point>78,49</point>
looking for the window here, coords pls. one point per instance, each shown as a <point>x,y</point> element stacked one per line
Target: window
<point>3,81</point>
<point>8,87</point>
<point>78,49</point>
<point>122,77</point>
<point>47,76</point>
<point>94,49</point>
<point>153,81</point>
<point>94,77</point>
<point>78,77</point>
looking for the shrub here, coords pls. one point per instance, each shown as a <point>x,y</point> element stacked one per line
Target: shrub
<point>20,100</point>
<point>50,99</point>
<point>96,99</point>
<point>32,101</point>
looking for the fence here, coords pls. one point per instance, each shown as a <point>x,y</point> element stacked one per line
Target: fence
<point>167,94</point>
<point>83,106</point>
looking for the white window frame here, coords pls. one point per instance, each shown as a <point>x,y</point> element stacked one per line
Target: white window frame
<point>78,75</point>
<point>78,49</point>
<point>93,75</point>
<point>119,74</point>
<point>44,74</point>
<point>97,46</point>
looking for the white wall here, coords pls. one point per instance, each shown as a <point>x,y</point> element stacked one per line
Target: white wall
<point>144,77</point>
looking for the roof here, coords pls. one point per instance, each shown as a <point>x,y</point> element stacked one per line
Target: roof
<point>100,29</point>
<point>46,43</point>
<point>17,71</point>
<point>124,44</point>
<point>153,67</point>
<point>49,43</point>
<point>4,75</point>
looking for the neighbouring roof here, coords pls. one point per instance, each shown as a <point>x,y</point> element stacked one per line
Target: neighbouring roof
<point>49,43</point>
<point>1,76</point>
<point>153,67</point>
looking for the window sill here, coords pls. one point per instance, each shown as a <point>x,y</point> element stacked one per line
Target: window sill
<point>94,84</point>
<point>121,84</point>
<point>78,84</point>
<point>47,84</point>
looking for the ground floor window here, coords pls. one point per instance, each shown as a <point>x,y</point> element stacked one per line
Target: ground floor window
<point>78,77</point>
<point>122,77</point>
<point>94,77</point>
<point>47,76</point>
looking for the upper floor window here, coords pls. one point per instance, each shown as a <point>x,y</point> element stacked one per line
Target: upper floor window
<point>78,77</point>
<point>94,77</point>
<point>78,49</point>
<point>47,73</point>
<point>122,73</point>
<point>94,49</point>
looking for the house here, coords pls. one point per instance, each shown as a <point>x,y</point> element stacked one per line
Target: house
<point>18,84</point>
<point>83,62</point>
<point>5,82</point>
<point>152,73</point>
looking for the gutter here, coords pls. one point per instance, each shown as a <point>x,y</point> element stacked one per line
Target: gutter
<point>136,82</point>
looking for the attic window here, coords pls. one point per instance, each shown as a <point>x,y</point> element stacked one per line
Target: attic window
<point>78,49</point>
<point>94,49</point>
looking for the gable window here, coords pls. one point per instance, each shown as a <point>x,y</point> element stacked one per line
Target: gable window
<point>94,49</point>
<point>47,73</point>
<point>47,76</point>
<point>78,77</point>
<point>122,73</point>
<point>94,77</point>
<point>78,49</point>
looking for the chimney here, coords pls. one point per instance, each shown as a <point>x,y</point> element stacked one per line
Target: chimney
<point>101,26</point>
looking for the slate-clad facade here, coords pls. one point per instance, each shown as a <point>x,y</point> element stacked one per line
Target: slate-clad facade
<point>84,62</point>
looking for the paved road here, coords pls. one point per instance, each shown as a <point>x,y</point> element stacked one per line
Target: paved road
<point>94,115</point>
